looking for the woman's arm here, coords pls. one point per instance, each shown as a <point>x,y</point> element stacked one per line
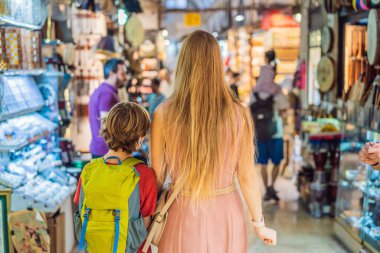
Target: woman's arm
<point>157,147</point>
<point>250,184</point>
<point>247,175</point>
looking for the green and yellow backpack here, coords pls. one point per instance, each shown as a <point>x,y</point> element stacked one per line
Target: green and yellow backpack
<point>109,218</point>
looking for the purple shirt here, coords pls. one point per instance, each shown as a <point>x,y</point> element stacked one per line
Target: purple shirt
<point>102,100</point>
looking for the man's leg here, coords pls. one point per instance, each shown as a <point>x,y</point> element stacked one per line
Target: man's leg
<point>277,154</point>
<point>275,172</point>
<point>262,160</point>
<point>264,173</point>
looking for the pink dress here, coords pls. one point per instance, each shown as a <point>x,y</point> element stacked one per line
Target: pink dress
<point>217,226</point>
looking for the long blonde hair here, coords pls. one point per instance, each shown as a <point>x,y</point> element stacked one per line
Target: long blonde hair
<point>201,119</point>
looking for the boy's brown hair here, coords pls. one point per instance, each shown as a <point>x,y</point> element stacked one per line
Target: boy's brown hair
<point>124,125</point>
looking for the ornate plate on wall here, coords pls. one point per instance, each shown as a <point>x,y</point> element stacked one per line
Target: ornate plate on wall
<point>325,74</point>
<point>327,39</point>
<point>134,31</point>
<point>373,37</point>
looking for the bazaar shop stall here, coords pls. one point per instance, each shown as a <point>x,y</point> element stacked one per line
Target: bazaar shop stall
<point>103,39</point>
<point>348,91</point>
<point>36,177</point>
<point>247,46</point>
<point>357,205</point>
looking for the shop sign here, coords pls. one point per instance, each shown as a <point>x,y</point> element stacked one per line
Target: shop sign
<point>193,19</point>
<point>273,19</point>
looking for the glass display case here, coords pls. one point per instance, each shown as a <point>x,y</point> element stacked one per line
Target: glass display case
<point>358,205</point>
<point>371,218</point>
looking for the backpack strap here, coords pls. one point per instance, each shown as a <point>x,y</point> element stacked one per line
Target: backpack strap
<point>113,157</point>
<point>117,231</point>
<point>84,228</point>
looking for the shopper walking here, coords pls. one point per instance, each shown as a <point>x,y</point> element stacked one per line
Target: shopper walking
<point>267,103</point>
<point>156,98</point>
<point>102,100</point>
<point>202,138</point>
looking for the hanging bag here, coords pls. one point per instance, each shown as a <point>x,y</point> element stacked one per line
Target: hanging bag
<point>160,217</point>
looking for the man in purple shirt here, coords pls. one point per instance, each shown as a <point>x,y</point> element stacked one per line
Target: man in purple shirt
<point>102,100</point>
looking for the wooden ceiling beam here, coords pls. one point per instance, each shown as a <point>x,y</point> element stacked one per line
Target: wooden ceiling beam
<point>227,8</point>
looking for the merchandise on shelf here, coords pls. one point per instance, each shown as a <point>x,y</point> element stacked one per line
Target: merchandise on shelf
<point>30,231</point>
<point>35,174</point>
<point>247,52</point>
<point>87,29</point>
<point>26,13</point>
<point>20,48</point>
<point>318,179</point>
<point>21,95</point>
<point>24,129</point>
<point>239,47</point>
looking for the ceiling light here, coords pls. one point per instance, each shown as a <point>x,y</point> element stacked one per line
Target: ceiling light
<point>298,17</point>
<point>239,18</point>
<point>165,33</point>
<point>122,17</point>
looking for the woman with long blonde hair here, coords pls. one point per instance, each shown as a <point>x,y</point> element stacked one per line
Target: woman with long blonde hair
<point>202,137</point>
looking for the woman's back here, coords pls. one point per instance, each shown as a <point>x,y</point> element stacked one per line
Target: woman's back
<point>212,222</point>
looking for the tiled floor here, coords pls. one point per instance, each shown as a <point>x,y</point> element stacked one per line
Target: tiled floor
<point>297,232</point>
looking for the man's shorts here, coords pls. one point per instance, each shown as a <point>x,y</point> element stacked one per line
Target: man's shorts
<point>272,149</point>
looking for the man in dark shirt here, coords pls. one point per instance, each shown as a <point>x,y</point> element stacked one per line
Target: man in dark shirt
<point>102,100</point>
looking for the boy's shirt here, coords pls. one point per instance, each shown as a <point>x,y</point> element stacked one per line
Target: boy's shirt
<point>148,192</point>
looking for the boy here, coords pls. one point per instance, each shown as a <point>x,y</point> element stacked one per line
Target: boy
<point>117,194</point>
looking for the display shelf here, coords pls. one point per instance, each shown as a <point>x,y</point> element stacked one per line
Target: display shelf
<point>20,113</point>
<point>352,185</point>
<point>20,203</point>
<point>8,21</point>
<point>344,235</point>
<point>26,143</point>
<point>348,229</point>
<point>358,186</point>
<point>14,148</point>
<point>21,72</point>
<point>31,72</point>
<point>371,244</point>
<point>54,43</point>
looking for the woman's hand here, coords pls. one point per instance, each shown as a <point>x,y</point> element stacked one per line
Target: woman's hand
<point>267,235</point>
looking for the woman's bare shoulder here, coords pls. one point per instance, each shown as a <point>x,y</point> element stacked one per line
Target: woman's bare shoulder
<point>159,114</point>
